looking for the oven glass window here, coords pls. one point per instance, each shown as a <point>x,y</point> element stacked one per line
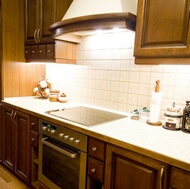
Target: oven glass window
<point>60,169</point>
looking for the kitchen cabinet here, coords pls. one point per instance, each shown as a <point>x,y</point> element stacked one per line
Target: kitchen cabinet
<point>1,134</point>
<point>179,179</point>
<point>162,32</point>
<point>39,15</point>
<point>34,141</point>
<point>125,169</point>
<point>16,144</point>
<point>96,157</point>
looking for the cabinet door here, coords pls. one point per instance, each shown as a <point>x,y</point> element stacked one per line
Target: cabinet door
<point>8,138</point>
<point>1,133</point>
<point>162,29</point>
<point>125,170</point>
<point>32,19</point>
<point>22,146</point>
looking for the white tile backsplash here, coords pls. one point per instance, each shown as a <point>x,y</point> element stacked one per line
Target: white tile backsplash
<point>105,75</point>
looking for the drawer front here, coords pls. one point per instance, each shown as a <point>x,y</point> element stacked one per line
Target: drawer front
<point>179,179</point>
<point>95,169</point>
<point>34,125</point>
<point>96,148</point>
<point>34,138</point>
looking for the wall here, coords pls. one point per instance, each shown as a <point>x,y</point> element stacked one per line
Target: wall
<point>106,76</point>
<point>19,78</point>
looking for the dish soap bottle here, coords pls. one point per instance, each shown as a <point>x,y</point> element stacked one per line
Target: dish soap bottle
<point>186,118</point>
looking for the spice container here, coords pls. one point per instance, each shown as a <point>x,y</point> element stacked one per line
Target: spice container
<point>135,114</point>
<point>54,95</point>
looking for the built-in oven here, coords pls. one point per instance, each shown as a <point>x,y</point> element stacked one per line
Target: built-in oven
<point>62,156</point>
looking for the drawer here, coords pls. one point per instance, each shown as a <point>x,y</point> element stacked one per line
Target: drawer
<point>34,138</point>
<point>95,169</point>
<point>179,179</point>
<point>96,148</point>
<point>34,125</point>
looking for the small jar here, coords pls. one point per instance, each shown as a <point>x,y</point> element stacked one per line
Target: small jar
<point>54,95</point>
<point>135,114</point>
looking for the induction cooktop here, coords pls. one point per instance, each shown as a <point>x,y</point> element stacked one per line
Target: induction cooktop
<point>86,116</point>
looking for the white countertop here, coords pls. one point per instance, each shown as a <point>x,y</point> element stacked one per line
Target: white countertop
<point>173,146</point>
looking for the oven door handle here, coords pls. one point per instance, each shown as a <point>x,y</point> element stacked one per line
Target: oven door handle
<point>65,152</point>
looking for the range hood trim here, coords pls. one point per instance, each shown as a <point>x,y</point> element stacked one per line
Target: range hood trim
<point>93,22</point>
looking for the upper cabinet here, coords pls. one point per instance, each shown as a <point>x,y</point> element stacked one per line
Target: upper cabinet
<point>162,32</point>
<point>39,15</point>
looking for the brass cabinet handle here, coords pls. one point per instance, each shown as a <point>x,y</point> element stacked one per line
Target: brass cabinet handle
<point>33,139</point>
<point>48,50</point>
<point>38,35</point>
<point>94,149</point>
<point>40,51</point>
<point>33,52</point>
<point>26,52</point>
<point>35,38</point>
<point>161,176</point>
<point>93,170</point>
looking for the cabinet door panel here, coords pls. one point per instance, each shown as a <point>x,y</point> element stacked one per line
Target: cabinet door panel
<point>125,169</point>
<point>31,14</point>
<point>8,138</point>
<point>162,28</point>
<point>22,146</point>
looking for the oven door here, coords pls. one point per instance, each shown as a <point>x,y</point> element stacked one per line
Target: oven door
<point>61,166</point>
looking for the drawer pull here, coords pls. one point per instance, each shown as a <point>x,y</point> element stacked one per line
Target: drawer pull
<point>40,51</point>
<point>33,52</point>
<point>93,170</point>
<point>33,139</point>
<point>48,51</point>
<point>94,149</point>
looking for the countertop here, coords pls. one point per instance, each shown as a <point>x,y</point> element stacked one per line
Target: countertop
<point>172,147</point>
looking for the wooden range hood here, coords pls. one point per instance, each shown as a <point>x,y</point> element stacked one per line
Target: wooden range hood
<point>73,26</point>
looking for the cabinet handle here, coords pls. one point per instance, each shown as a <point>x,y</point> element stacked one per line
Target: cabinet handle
<point>40,51</point>
<point>38,35</point>
<point>161,176</point>
<point>26,52</point>
<point>12,116</point>
<point>35,36</point>
<point>33,139</point>
<point>94,149</point>
<point>93,170</point>
<point>32,124</point>
<point>48,50</point>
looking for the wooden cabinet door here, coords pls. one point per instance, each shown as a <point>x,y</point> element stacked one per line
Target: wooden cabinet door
<point>22,146</point>
<point>8,138</point>
<point>32,9</point>
<point>125,170</point>
<point>1,134</point>
<point>162,29</point>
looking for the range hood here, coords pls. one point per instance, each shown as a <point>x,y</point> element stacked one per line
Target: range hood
<point>86,16</point>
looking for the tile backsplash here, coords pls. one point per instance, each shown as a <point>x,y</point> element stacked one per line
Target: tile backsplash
<point>105,75</point>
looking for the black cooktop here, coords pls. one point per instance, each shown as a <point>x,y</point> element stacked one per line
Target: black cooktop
<point>85,115</point>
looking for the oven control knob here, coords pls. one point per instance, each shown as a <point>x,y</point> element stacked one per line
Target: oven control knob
<point>52,131</point>
<point>66,137</point>
<point>77,142</point>
<point>71,139</point>
<point>44,128</point>
<point>61,135</point>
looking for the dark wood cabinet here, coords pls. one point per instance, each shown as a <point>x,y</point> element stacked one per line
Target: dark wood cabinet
<point>34,141</point>
<point>162,32</point>
<point>1,134</point>
<point>96,157</point>
<point>179,179</point>
<point>39,44</point>
<point>16,144</point>
<point>125,169</point>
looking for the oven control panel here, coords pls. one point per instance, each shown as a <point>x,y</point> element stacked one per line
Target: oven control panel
<point>64,135</point>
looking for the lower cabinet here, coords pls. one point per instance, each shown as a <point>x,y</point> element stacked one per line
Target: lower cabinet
<point>125,169</point>
<point>16,143</point>
<point>1,134</point>
<point>179,179</point>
